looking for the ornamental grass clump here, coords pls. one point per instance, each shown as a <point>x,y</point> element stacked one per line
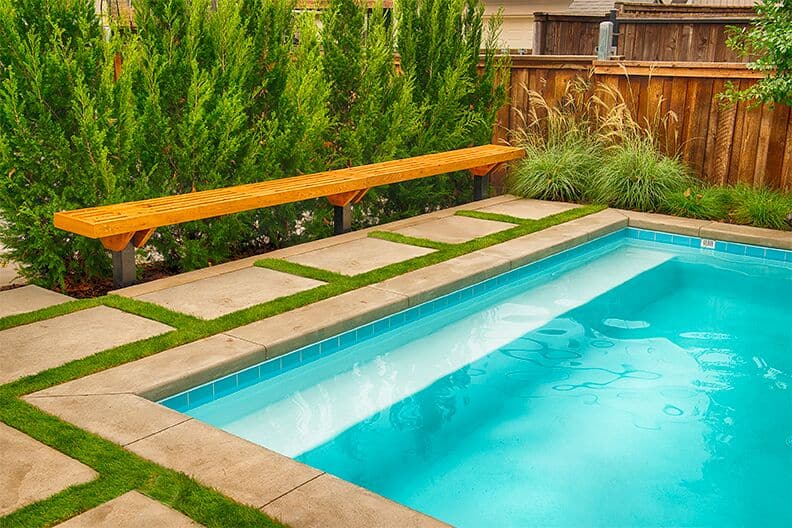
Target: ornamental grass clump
<point>590,147</point>
<point>561,150</point>
<point>635,175</point>
<point>560,171</point>
<point>760,207</point>
<point>700,201</point>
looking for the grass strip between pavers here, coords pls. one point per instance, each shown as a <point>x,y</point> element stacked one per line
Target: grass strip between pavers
<point>390,236</point>
<point>120,470</point>
<point>495,217</point>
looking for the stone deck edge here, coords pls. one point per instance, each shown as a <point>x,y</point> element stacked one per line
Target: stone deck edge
<point>712,230</point>
<point>435,283</point>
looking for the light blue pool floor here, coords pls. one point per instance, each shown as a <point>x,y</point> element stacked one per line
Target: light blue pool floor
<point>636,386</point>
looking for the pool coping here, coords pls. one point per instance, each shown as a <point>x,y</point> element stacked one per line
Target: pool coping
<point>116,403</point>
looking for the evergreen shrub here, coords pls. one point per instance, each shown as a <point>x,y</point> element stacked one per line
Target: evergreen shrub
<point>211,98</point>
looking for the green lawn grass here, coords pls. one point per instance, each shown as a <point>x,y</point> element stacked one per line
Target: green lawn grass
<point>120,470</point>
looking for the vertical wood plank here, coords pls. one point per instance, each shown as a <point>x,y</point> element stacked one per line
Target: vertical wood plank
<point>761,148</point>
<point>786,172</point>
<point>777,141</point>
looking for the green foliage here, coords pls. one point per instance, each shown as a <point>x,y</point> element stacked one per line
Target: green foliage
<point>207,99</point>
<point>55,98</point>
<point>740,204</point>
<point>558,171</point>
<point>495,217</point>
<point>437,100</point>
<point>590,147</point>
<point>760,207</point>
<point>769,40</point>
<point>699,201</point>
<point>635,175</point>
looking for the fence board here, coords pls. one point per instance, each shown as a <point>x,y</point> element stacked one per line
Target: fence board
<point>647,32</point>
<point>722,143</point>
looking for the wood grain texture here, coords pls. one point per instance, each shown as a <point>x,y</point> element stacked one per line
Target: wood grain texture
<point>646,31</point>
<point>722,143</point>
<point>117,224</point>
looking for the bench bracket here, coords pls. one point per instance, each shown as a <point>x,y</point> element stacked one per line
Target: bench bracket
<point>342,218</point>
<point>123,249</point>
<point>342,209</point>
<point>481,180</point>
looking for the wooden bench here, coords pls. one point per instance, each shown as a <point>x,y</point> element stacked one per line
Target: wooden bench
<point>122,227</point>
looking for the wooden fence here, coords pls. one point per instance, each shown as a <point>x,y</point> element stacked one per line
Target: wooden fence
<point>723,143</point>
<point>646,32</point>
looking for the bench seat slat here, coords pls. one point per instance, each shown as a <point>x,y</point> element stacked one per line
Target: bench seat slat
<point>109,220</point>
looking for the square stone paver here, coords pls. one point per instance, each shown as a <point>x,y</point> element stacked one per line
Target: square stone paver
<point>529,209</point>
<point>130,510</point>
<point>320,320</point>
<point>240,469</point>
<point>31,471</point>
<point>330,501</point>
<point>121,418</point>
<point>454,229</point>
<point>157,376</point>
<point>28,299</point>
<point>35,347</point>
<point>359,256</point>
<point>216,296</point>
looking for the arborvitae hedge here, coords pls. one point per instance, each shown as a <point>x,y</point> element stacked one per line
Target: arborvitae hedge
<point>207,99</point>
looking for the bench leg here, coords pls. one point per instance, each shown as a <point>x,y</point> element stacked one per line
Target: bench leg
<point>480,187</point>
<point>124,273</point>
<point>342,218</point>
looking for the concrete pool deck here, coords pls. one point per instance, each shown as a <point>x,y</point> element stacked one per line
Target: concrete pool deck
<point>116,403</point>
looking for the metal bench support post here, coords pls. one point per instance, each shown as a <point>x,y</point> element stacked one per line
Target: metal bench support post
<point>480,187</point>
<point>342,218</point>
<point>124,273</point>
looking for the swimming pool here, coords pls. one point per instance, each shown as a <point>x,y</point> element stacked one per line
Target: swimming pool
<point>640,379</point>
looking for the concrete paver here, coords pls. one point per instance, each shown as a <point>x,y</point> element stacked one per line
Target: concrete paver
<point>120,418</point>
<point>168,372</point>
<point>433,281</point>
<point>708,229</point>
<point>31,471</point>
<point>31,348</point>
<point>667,223</point>
<point>747,235</point>
<point>359,256</point>
<point>28,299</point>
<point>312,323</point>
<point>175,280</point>
<point>244,471</point>
<point>529,248</point>
<point>216,296</point>
<point>454,229</point>
<point>529,209</point>
<point>329,501</point>
<point>130,510</point>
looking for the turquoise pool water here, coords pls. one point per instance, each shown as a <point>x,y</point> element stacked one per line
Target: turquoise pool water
<point>625,383</point>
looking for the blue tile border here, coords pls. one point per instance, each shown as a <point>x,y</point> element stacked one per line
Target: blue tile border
<point>226,385</point>
<point>714,246</point>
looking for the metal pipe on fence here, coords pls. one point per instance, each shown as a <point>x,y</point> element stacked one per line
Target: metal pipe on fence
<point>605,44</point>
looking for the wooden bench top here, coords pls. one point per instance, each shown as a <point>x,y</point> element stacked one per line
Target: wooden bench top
<point>117,224</point>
